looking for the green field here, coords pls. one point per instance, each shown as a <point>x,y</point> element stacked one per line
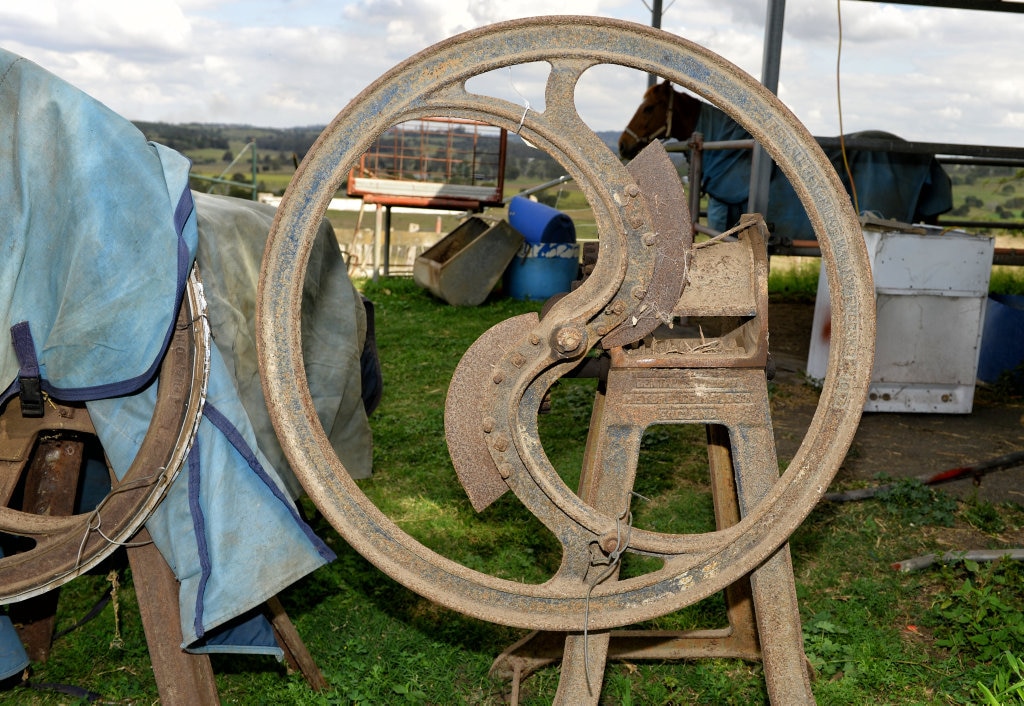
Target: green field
<point>979,193</point>
<point>987,193</point>
<point>873,635</point>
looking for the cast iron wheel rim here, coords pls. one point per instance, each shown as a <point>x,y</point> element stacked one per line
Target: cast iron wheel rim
<point>431,84</point>
<point>68,546</point>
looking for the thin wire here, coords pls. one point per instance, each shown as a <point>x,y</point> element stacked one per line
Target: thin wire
<point>94,516</point>
<point>189,324</point>
<point>526,102</point>
<point>663,10</point>
<point>725,235</point>
<point>839,105</point>
<point>613,562</point>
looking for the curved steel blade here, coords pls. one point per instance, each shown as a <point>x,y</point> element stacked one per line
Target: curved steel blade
<point>661,188</point>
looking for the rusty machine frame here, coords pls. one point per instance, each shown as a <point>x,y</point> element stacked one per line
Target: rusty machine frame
<point>639,308</point>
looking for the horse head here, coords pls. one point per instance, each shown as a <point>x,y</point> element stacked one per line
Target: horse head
<point>664,113</point>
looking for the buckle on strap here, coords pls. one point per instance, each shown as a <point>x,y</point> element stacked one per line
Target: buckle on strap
<point>30,385</point>
<point>30,390</point>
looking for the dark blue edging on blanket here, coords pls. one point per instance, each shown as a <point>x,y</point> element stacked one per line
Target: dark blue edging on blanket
<point>24,347</point>
<point>199,523</point>
<point>231,433</point>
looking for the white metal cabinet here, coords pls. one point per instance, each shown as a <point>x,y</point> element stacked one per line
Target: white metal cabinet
<point>930,293</point>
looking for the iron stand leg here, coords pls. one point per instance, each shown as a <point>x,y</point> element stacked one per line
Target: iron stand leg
<point>764,620</point>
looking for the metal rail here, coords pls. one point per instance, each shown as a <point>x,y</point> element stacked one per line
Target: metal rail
<point>946,153</point>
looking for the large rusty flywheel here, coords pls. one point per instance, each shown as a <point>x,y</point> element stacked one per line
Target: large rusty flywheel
<point>644,263</point>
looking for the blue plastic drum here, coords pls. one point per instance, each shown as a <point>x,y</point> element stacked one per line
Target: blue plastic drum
<point>1002,340</point>
<point>539,223</point>
<point>542,270</point>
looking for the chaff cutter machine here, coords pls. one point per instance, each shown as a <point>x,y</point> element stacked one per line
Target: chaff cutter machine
<point>660,307</point>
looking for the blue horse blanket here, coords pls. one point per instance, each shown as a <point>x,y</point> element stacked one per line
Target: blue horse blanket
<point>904,187</point>
<point>98,233</point>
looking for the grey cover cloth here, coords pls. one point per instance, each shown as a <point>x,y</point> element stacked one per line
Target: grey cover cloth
<point>99,234</point>
<point>333,327</point>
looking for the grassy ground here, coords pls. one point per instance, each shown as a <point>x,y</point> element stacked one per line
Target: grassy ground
<point>988,193</point>
<point>943,635</point>
<point>873,635</point>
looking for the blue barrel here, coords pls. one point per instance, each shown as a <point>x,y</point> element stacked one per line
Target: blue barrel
<point>540,223</point>
<point>1002,339</point>
<point>542,270</point>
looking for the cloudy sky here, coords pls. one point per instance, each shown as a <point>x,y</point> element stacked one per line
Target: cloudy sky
<point>925,74</point>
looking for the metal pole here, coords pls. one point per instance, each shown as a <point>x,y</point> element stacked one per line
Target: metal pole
<point>378,225</point>
<point>761,165</point>
<point>656,23</point>
<point>255,172</point>
<point>540,187</point>
<point>387,240</point>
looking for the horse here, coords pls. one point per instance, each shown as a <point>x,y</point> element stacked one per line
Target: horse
<point>904,187</point>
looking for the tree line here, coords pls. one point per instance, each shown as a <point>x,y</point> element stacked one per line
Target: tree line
<point>279,149</point>
<point>186,137</point>
<point>521,160</point>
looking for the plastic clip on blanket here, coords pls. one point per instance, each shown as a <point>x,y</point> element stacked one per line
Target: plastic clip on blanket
<point>30,390</point>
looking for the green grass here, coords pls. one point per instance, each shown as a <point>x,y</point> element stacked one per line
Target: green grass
<point>794,277</point>
<point>873,635</point>
<point>1007,280</point>
<point>797,278</point>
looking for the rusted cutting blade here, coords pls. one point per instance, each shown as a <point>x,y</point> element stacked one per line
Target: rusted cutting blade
<point>464,416</point>
<point>663,192</point>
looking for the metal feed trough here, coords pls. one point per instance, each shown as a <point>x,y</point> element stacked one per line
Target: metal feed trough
<point>464,266</point>
<point>649,274</point>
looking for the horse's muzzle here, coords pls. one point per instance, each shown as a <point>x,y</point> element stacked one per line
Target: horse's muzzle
<point>630,144</point>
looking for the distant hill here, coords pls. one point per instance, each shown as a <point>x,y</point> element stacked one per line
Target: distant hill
<point>978,190</point>
<point>186,137</point>
<point>217,148</point>
<point>279,148</point>
<point>609,137</point>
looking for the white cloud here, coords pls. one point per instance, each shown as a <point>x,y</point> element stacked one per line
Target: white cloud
<point>1014,121</point>
<point>29,16</point>
<point>917,72</point>
<point>136,28</point>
